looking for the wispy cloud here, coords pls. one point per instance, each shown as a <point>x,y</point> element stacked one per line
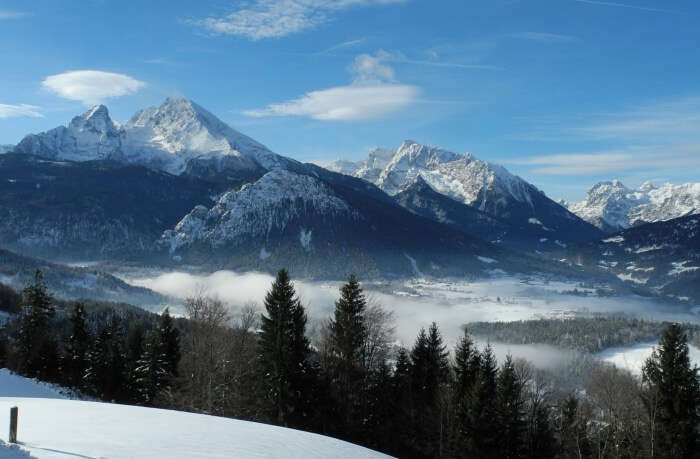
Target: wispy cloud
<point>623,5</point>
<point>374,92</point>
<point>340,46</point>
<point>19,111</point>
<point>670,121</point>
<point>6,14</point>
<point>544,37</point>
<point>666,157</point>
<point>91,86</point>
<point>278,18</point>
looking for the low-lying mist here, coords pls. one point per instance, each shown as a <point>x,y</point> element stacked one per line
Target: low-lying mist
<point>417,303</point>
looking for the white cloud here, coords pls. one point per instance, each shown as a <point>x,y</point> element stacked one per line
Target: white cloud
<point>622,5</point>
<point>667,157</point>
<point>344,103</point>
<point>20,110</point>
<point>5,14</point>
<point>91,86</point>
<point>278,18</point>
<point>543,37</point>
<point>374,92</point>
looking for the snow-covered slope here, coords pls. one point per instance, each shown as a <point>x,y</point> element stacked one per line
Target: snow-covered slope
<point>52,428</point>
<point>483,186</point>
<point>5,148</point>
<point>173,137</point>
<point>611,206</point>
<point>258,211</point>
<point>663,256</point>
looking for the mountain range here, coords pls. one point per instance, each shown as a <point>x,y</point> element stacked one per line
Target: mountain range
<point>662,256</point>
<point>611,206</point>
<point>177,186</point>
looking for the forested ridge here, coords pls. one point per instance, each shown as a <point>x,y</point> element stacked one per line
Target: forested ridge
<point>348,379</point>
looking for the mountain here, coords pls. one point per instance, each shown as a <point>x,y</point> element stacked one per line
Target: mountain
<point>611,206</point>
<point>325,225</point>
<point>6,149</point>
<point>663,256</point>
<point>176,185</point>
<point>178,137</point>
<point>539,222</point>
<point>90,210</point>
<point>72,283</point>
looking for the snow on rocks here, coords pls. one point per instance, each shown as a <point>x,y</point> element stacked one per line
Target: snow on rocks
<point>167,138</point>
<point>611,205</point>
<point>256,210</point>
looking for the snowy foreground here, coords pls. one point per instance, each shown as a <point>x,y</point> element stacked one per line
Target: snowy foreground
<point>60,428</point>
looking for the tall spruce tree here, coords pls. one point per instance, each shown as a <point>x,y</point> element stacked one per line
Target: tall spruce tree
<point>466,369</point>
<point>283,353</point>
<point>77,347</point>
<point>170,341</point>
<point>510,412</point>
<point>152,370</point>
<point>430,369</point>
<point>348,333</point>
<point>105,375</point>
<point>37,352</point>
<point>483,425</point>
<point>674,382</point>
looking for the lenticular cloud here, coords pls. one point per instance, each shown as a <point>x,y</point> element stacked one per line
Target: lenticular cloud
<point>91,86</point>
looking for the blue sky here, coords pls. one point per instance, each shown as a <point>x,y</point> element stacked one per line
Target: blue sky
<point>562,92</point>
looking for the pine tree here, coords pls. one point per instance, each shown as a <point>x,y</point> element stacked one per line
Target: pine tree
<point>152,370</point>
<point>133,351</point>
<point>510,412</point>
<point>170,340</point>
<point>348,333</point>
<point>77,348</point>
<point>105,375</point>
<point>403,413</point>
<point>482,419</point>
<point>669,375</point>
<point>466,369</point>
<point>430,369</point>
<point>38,356</point>
<point>283,353</point>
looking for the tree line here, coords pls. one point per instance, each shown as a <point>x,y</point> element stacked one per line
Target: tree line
<point>350,380</point>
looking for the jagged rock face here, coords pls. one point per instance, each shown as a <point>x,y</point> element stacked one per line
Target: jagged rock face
<point>177,137</point>
<point>92,135</point>
<point>663,256</point>
<point>611,206</point>
<point>485,187</point>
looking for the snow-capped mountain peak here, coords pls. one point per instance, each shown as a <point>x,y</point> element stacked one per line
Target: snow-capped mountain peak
<point>612,206</point>
<point>177,136</point>
<point>96,119</point>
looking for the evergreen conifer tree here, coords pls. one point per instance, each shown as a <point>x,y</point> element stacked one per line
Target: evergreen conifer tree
<point>482,422</point>
<point>77,348</point>
<point>283,353</point>
<point>37,352</point>
<point>510,412</point>
<point>669,374</point>
<point>152,371</point>
<point>170,340</point>
<point>348,332</point>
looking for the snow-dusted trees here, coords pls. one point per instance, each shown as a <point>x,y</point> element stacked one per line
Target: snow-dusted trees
<point>37,348</point>
<point>76,348</point>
